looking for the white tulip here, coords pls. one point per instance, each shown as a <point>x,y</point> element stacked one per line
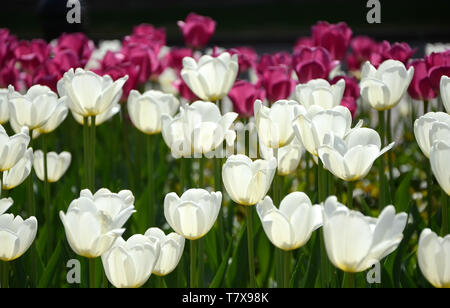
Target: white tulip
<point>166,80</point>
<point>146,109</point>
<point>436,48</point>
<point>199,128</point>
<point>112,110</point>
<point>430,127</point>
<point>4,106</point>
<point>16,234</point>
<point>12,148</point>
<point>129,264</point>
<point>194,213</point>
<point>21,170</point>
<point>313,124</point>
<point>172,246</point>
<point>319,92</point>
<point>290,226</point>
<point>211,78</point>
<point>288,156</point>
<point>89,94</point>
<point>433,255</point>
<point>274,124</point>
<point>354,242</point>
<point>5,204</point>
<point>445,92</point>
<point>93,222</point>
<point>439,155</point>
<point>57,165</point>
<point>384,87</point>
<point>35,107</point>
<point>247,181</point>
<point>350,158</point>
<point>56,118</point>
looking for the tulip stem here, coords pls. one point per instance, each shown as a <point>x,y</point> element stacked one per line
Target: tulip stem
<point>149,212</point>
<point>92,158</point>
<point>30,189</point>
<point>183,167</point>
<point>201,171</point>
<point>429,192</point>
<point>91,273</point>
<point>381,161</point>
<point>349,280</point>
<point>287,268</point>
<point>322,182</point>
<point>445,217</point>
<point>389,154</point>
<point>193,270</point>
<point>48,212</point>
<point>350,187</point>
<point>86,151</point>
<point>218,187</point>
<point>251,258</point>
<point>5,274</point>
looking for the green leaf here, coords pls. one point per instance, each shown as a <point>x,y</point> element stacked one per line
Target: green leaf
<point>49,271</point>
<point>218,278</point>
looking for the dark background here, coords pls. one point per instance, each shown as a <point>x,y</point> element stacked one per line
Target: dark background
<point>262,23</point>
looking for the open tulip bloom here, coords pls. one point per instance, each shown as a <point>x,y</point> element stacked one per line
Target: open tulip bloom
<point>211,78</point>
<point>314,123</point>
<point>355,242</point>
<point>350,158</point>
<point>290,226</point>
<point>433,255</point>
<point>288,158</point>
<point>384,87</point>
<point>4,106</point>
<point>56,118</point>
<point>319,92</point>
<point>274,124</point>
<point>19,172</point>
<point>439,155</point>
<point>129,264</point>
<point>57,165</point>
<point>111,111</point>
<point>198,129</point>
<point>431,127</point>
<point>12,148</point>
<point>445,92</point>
<point>93,222</point>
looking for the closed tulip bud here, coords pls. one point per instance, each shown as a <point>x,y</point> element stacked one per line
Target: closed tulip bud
<point>129,264</point>
<point>383,88</point>
<point>4,106</point>
<point>172,246</point>
<point>89,94</point>
<point>354,242</point>
<point>57,165</point>
<point>34,108</point>
<point>433,255</point>
<point>146,109</point>
<point>428,126</point>
<point>420,87</point>
<point>210,78</point>
<point>288,156</point>
<point>350,158</point>
<point>312,63</point>
<point>247,181</point>
<point>199,128</point>
<point>274,124</point>
<point>334,37</point>
<point>112,110</point>
<point>19,172</point>
<point>277,82</point>
<point>439,155</point>
<point>290,226</point>
<point>197,30</point>
<point>93,222</point>
<point>16,235</point>
<point>438,65</point>
<point>194,213</point>
<point>445,92</point>
<point>319,92</point>
<point>12,148</point>
<point>313,124</point>
<point>56,118</point>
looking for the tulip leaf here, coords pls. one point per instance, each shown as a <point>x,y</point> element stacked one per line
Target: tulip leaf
<point>49,271</point>
<point>238,268</point>
<point>218,278</point>
<point>402,195</point>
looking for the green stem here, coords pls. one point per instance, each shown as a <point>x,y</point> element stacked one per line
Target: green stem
<point>201,171</point>
<point>381,160</point>
<point>350,187</point>
<point>349,280</point>
<point>251,258</point>
<point>322,182</point>
<point>287,268</point>
<point>91,273</point>
<point>429,192</point>
<point>218,187</point>
<point>193,270</point>
<point>307,173</point>
<point>183,166</point>
<point>149,212</point>
<point>48,212</point>
<point>389,155</point>
<point>445,217</point>
<point>5,274</point>
<point>86,151</point>
<point>92,153</point>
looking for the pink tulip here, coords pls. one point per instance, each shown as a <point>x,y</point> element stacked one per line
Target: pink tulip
<point>303,42</point>
<point>438,65</point>
<point>350,103</point>
<point>420,87</point>
<point>362,48</point>
<point>278,83</point>
<point>48,74</point>
<point>150,33</point>
<point>333,37</point>
<point>31,53</point>
<point>398,51</point>
<point>243,95</point>
<point>79,43</point>
<point>9,74</point>
<point>175,57</point>
<point>312,63</point>
<point>197,30</point>
<point>145,58</point>
<point>247,57</point>
<point>277,59</point>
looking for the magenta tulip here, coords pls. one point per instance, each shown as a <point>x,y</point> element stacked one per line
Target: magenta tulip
<point>420,87</point>
<point>333,37</point>
<point>197,30</point>
<point>243,96</point>
<point>312,63</point>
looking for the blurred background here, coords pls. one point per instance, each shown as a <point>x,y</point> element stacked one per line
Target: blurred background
<point>263,24</point>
